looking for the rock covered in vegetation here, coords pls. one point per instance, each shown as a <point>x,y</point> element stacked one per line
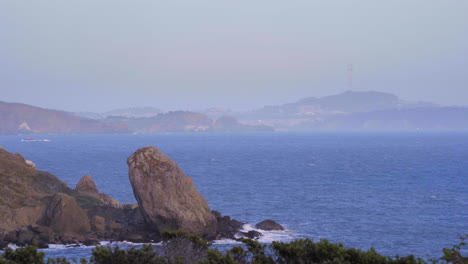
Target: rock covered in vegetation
<point>168,199</point>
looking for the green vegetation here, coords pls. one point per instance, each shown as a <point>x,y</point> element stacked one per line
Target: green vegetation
<point>180,247</point>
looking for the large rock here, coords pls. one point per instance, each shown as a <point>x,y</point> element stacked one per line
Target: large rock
<point>64,215</point>
<point>167,198</point>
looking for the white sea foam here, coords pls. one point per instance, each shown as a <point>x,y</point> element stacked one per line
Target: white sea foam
<point>266,237</point>
<point>226,241</point>
<point>65,246</point>
<point>269,236</point>
<point>37,140</point>
<point>12,246</point>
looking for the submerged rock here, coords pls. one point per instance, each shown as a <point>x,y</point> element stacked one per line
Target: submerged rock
<point>269,225</point>
<point>166,197</point>
<point>252,234</point>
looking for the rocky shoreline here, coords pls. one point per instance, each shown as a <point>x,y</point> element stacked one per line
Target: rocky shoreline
<point>37,208</point>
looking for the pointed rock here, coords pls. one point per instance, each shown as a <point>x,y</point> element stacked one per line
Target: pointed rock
<point>87,186</point>
<point>166,197</point>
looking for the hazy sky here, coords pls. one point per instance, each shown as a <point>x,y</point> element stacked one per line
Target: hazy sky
<point>102,54</point>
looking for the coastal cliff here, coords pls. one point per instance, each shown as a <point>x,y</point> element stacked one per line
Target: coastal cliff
<point>36,207</point>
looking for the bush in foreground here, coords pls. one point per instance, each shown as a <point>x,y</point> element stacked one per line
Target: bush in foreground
<point>180,247</point>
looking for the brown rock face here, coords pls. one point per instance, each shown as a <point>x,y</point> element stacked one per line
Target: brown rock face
<point>167,198</point>
<point>65,216</point>
<point>87,186</point>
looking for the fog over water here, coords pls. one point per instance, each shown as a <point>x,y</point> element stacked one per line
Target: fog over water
<point>97,56</point>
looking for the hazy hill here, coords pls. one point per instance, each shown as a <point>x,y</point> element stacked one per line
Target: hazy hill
<point>424,118</point>
<point>347,102</point>
<point>357,111</point>
<point>186,121</point>
<point>175,121</point>
<point>231,124</point>
<point>18,118</point>
<point>133,112</point>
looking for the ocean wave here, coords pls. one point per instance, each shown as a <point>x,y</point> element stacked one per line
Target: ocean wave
<point>36,140</point>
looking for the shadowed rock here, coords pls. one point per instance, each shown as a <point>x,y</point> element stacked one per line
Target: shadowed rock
<point>65,216</point>
<point>167,198</point>
<point>269,225</point>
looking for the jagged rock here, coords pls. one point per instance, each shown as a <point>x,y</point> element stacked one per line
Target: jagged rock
<point>87,186</point>
<point>64,215</point>
<point>226,227</point>
<point>269,225</point>
<point>166,197</point>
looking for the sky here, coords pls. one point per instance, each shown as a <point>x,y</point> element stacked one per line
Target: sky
<point>88,55</point>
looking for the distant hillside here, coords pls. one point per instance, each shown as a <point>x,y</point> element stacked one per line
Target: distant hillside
<point>18,118</point>
<point>425,118</point>
<point>347,102</point>
<point>185,121</point>
<point>134,112</point>
<point>231,124</point>
<point>353,111</point>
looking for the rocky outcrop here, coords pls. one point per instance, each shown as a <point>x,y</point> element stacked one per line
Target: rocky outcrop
<point>269,225</point>
<point>88,187</point>
<point>37,206</point>
<point>167,198</point>
<point>226,227</point>
<point>64,216</point>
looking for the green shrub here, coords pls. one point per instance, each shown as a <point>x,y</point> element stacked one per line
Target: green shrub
<point>108,255</point>
<point>180,247</point>
<point>24,255</point>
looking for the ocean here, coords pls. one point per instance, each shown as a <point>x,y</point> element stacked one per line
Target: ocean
<point>401,193</point>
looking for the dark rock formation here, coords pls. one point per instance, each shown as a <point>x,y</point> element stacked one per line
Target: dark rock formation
<point>168,199</point>
<point>252,234</point>
<point>269,225</point>
<point>226,227</point>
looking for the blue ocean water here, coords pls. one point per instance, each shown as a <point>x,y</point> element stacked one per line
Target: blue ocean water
<point>401,193</point>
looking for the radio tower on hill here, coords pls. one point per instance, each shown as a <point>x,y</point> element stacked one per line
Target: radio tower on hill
<point>350,76</point>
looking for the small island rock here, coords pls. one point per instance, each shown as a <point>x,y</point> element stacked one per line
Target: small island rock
<point>269,225</point>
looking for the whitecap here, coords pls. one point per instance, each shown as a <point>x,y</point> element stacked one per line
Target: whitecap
<point>269,236</point>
